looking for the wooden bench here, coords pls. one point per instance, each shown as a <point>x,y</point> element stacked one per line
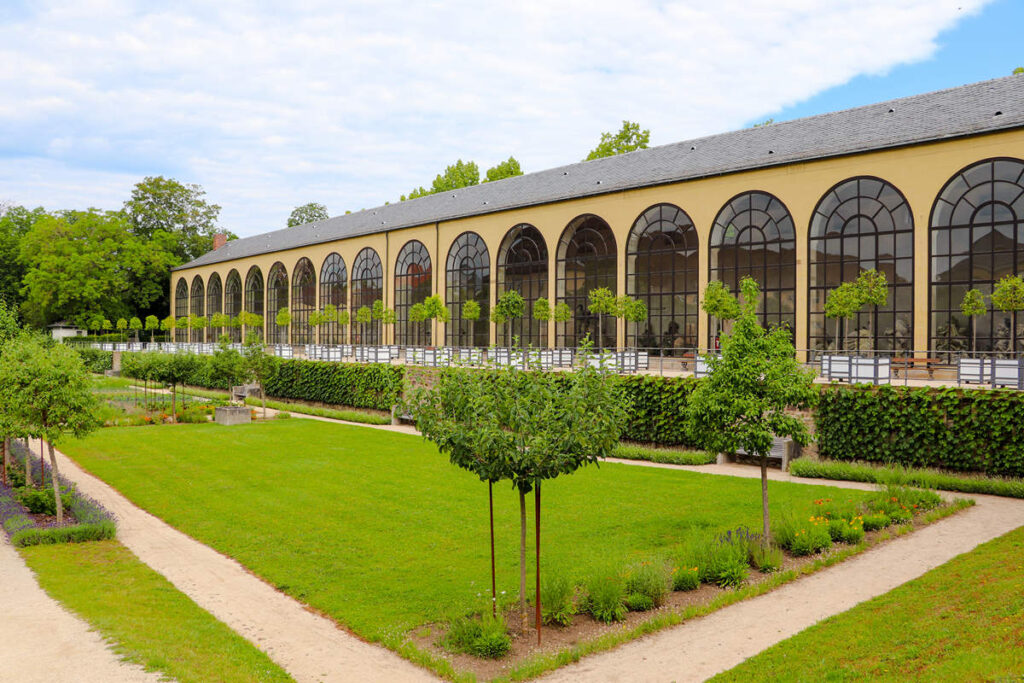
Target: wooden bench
<point>910,363</point>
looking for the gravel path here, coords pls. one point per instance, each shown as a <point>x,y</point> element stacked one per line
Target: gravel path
<point>42,642</point>
<point>306,645</point>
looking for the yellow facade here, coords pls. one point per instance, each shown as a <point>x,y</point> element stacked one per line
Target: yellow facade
<point>919,172</point>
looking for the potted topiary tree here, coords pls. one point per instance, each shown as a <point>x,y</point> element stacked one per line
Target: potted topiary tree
<point>1008,297</point>
<point>602,302</point>
<point>842,303</point>
<point>973,369</point>
<point>471,312</point>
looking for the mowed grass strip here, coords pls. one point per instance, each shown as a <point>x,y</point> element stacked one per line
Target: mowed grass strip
<point>145,618</point>
<point>962,621</point>
<point>380,531</point>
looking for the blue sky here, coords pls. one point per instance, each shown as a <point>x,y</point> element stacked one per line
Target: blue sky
<point>272,105</point>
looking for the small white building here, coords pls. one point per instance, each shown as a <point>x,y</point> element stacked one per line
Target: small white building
<point>64,329</point>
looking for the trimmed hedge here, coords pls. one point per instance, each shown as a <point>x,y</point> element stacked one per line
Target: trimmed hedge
<point>658,405</point>
<point>95,360</point>
<point>902,476</point>
<point>373,385</point>
<point>973,430</point>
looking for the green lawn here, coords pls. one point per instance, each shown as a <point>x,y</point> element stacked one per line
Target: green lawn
<point>144,616</point>
<point>963,621</point>
<point>378,530</point>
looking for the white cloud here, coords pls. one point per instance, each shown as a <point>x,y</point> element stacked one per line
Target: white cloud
<point>352,105</point>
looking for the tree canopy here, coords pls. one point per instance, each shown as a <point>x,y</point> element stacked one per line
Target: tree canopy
<point>505,169</point>
<point>307,213</point>
<point>627,139</point>
<point>161,204</point>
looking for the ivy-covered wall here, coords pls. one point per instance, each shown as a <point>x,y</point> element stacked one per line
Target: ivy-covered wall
<point>974,430</point>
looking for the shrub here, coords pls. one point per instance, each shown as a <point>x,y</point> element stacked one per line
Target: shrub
<point>846,531</point>
<point>685,578</point>
<point>371,385</point>
<point>606,596</point>
<point>766,559</point>
<point>41,501</point>
<point>876,521</point>
<point>481,637</point>
<point>664,455</point>
<point>95,360</point>
<point>651,580</point>
<point>557,601</point>
<point>283,415</point>
<point>638,602</point>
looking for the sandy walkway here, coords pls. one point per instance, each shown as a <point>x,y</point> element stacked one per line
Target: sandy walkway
<point>307,646</point>
<point>42,642</point>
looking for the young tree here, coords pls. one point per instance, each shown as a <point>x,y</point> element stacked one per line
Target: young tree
<point>258,365</point>
<point>152,325</point>
<point>720,304</point>
<point>436,311</point>
<point>471,312</point>
<point>316,319</point>
<point>627,139</point>
<point>972,306</point>
<point>377,312</point>
<point>364,316</point>
<point>602,303</point>
<point>9,329</point>
<point>183,324</point>
<point>742,403</point>
<point>168,325</point>
<point>219,322</point>
<point>307,213</point>
<point>176,369</point>
<point>283,319</point>
<point>562,313</point>
<point>47,390</point>
<point>542,313</point>
<point>197,323</point>
<point>227,365</point>
<point>1008,297</point>
<point>631,310</point>
<point>388,318</point>
<point>107,325</point>
<point>122,326</point>
<point>510,306</point>
<point>872,290</point>
<point>843,302</point>
<point>135,325</point>
<point>417,315</point>
<point>343,319</point>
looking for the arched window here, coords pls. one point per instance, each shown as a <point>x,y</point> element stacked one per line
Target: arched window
<point>198,307</point>
<point>367,287</point>
<point>214,304</point>
<point>333,292</point>
<point>233,303</point>
<point>180,309</point>
<point>277,298</point>
<point>413,283</point>
<point>859,224</point>
<point>753,235</point>
<point>586,261</point>
<point>468,278</point>
<point>303,301</point>
<point>977,237</point>
<point>661,271</point>
<point>523,267</point>
<point>254,297</point>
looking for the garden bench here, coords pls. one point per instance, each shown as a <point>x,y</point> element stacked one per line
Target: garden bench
<point>911,363</point>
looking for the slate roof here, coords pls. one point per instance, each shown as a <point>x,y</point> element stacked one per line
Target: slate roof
<point>966,110</point>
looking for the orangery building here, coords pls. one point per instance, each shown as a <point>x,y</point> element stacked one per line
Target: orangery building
<point>928,189</point>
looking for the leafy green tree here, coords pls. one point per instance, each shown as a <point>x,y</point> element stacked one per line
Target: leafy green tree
<point>843,302</point>
<point>720,304</point>
<point>251,322</point>
<point>364,316</point>
<point>1008,297</point>
<point>1018,70</point>
<point>471,312</point>
<point>107,325</point>
<point>87,261</point>
<point>15,223</point>
<point>257,365</point>
<point>46,389</point>
<point>972,306</point>
<point>562,313</point>
<point>307,213</point>
<point>458,175</point>
<point>9,329</point>
<point>122,326</point>
<point>152,325</point>
<point>872,290</point>
<point>601,302</point>
<point>435,311</point>
<point>168,325</point>
<point>175,371</point>
<point>316,319</point>
<point>630,309</point>
<point>227,367</point>
<point>417,316</point>
<point>542,313</point>
<point>506,169</point>
<point>343,319</point>
<point>628,138</point>
<point>743,402</point>
<point>509,307</point>
<point>388,318</point>
<point>283,319</point>
<point>180,211</point>
<point>135,325</point>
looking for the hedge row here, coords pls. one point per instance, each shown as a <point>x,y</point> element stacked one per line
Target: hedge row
<point>95,360</point>
<point>969,431</point>
<point>374,386</point>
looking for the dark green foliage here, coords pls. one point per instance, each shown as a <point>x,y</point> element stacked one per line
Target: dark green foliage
<point>486,637</point>
<point>639,602</point>
<point>95,360</point>
<point>41,501</point>
<point>971,431</point>
<point>658,406</point>
<point>606,596</point>
<point>79,533</point>
<point>349,384</point>
<point>557,599</point>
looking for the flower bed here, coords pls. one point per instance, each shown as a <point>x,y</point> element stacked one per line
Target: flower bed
<point>85,519</point>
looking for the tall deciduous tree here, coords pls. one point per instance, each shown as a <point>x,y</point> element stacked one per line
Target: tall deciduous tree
<point>307,213</point>
<point>506,169</point>
<point>161,204</point>
<point>15,223</point>
<point>743,401</point>
<point>626,139</point>
<point>460,174</point>
<point>47,391</point>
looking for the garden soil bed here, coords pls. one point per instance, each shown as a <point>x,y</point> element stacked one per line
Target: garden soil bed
<point>584,628</point>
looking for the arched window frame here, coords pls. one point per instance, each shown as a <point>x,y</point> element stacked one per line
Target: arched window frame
<point>197,306</point>
<point>334,292</point>
<point>255,298</point>
<point>663,248</point>
<point>757,211</point>
<point>367,286</point>
<point>468,267</point>
<point>523,267</point>
<point>414,282</point>
<point>589,242</point>
<point>962,218</point>
<point>233,303</point>
<point>861,223</point>
<point>303,301</point>
<point>181,309</point>
<point>214,303</point>
<point>277,298</point>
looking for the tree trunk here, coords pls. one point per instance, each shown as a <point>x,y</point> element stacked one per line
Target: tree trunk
<point>42,464</point>
<point>5,446</point>
<point>28,465</point>
<point>263,399</point>
<point>494,587</point>
<point>174,404</point>
<point>522,560</point>
<point>53,478</point>
<point>600,332</point>
<point>536,523</point>
<point>767,530</point>
<point>837,335</point>
<point>472,337</point>
<point>974,336</point>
